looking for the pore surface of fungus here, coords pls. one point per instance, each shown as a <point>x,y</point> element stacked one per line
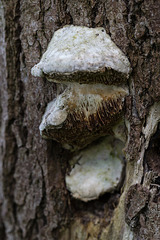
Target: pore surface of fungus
<point>84,55</point>
<point>98,170</point>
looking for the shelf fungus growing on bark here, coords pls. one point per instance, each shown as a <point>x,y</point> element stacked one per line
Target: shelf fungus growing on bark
<point>96,170</point>
<point>83,55</point>
<point>94,71</point>
<point>83,113</point>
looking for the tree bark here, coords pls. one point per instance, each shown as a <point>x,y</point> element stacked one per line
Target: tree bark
<point>34,202</point>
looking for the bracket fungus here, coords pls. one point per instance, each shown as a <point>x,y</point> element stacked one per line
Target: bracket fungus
<point>83,55</point>
<point>96,170</point>
<point>83,113</point>
<point>94,71</point>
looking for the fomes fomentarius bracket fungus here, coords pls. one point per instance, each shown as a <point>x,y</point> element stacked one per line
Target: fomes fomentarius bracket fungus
<point>83,113</point>
<point>96,169</point>
<point>83,55</point>
<point>95,71</point>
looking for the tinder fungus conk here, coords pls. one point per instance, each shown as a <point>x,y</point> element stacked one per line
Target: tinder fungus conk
<point>83,113</point>
<point>96,170</point>
<point>88,62</point>
<point>84,55</point>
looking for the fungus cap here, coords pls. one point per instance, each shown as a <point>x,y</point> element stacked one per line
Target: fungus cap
<point>78,53</point>
<point>98,170</point>
<point>82,114</point>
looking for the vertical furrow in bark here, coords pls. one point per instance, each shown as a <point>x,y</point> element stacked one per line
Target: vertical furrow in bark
<point>12,100</point>
<point>3,111</point>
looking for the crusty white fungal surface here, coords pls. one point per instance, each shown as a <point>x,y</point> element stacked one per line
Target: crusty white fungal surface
<point>81,49</point>
<point>98,170</point>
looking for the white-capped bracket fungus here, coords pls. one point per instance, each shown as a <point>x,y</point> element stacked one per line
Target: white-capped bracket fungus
<point>83,113</point>
<point>83,55</point>
<point>94,71</point>
<point>96,169</point>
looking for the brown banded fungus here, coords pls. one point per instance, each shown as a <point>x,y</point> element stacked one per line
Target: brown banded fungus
<point>83,113</point>
<point>95,71</point>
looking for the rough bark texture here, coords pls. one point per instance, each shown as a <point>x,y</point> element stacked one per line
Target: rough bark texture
<point>34,202</point>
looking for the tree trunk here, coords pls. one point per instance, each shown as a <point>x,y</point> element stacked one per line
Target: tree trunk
<point>34,201</point>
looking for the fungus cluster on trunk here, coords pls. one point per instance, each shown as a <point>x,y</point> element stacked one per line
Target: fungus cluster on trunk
<point>94,71</point>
